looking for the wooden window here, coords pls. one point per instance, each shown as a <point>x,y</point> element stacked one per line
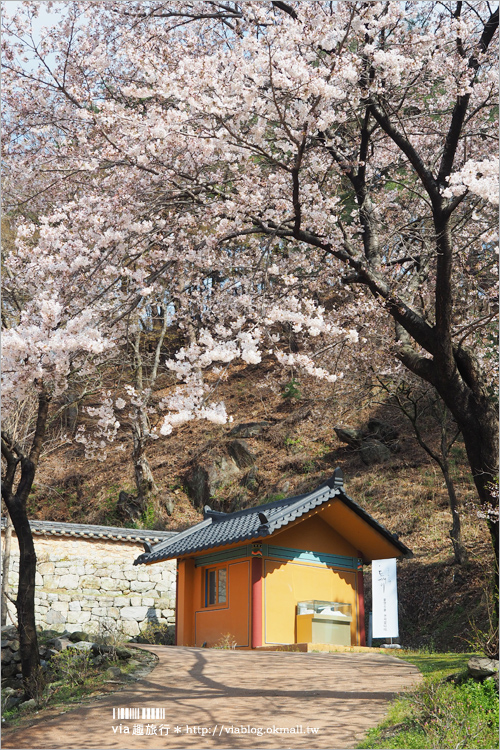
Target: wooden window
<point>221,586</point>
<point>215,586</point>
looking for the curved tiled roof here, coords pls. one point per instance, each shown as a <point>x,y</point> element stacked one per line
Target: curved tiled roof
<point>221,529</point>
<point>87,531</point>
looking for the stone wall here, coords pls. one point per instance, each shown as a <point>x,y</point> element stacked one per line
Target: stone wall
<point>91,585</point>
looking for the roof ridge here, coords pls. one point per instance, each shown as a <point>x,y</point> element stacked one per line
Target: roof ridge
<point>82,528</point>
<point>258,508</point>
<point>335,481</point>
<point>181,535</point>
<point>260,521</point>
<point>318,492</point>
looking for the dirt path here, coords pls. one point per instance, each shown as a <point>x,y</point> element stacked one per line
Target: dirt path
<point>206,693</point>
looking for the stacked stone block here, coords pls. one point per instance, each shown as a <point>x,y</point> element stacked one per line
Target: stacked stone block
<point>94,586</point>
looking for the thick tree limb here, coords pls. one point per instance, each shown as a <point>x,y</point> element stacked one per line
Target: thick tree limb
<point>408,150</point>
<point>285,8</point>
<point>460,108</point>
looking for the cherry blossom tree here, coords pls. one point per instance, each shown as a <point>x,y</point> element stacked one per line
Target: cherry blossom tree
<point>360,133</point>
<point>97,242</point>
<point>253,162</point>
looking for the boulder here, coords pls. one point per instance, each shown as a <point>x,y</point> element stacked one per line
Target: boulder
<point>13,682</point>
<point>7,656</point>
<point>204,479</point>
<point>241,453</point>
<point>167,501</point>
<point>128,506</point>
<point>115,651</point>
<point>9,632</point>
<point>382,431</point>
<point>82,645</point>
<point>59,644</point>
<point>11,697</point>
<point>374,452</point>
<point>9,670</point>
<point>78,635</point>
<point>113,673</point>
<point>481,667</point>
<point>197,484</point>
<point>28,705</point>
<point>251,478</point>
<point>352,437</point>
<point>249,429</point>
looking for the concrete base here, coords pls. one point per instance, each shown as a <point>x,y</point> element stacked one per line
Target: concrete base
<point>322,647</point>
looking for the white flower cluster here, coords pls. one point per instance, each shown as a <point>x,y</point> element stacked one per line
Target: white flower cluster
<point>207,350</point>
<point>188,403</point>
<point>306,363</point>
<point>105,431</point>
<point>44,345</point>
<point>480,177</point>
<point>312,320</point>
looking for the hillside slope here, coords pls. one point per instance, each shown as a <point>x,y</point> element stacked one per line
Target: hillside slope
<point>296,449</point>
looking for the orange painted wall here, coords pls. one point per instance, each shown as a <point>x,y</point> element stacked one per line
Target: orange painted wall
<point>357,531</point>
<point>314,535</point>
<point>208,624</point>
<point>285,584</point>
<point>185,585</point>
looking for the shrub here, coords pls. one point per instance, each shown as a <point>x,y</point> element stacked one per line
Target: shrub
<point>226,641</point>
<point>109,635</point>
<point>441,714</point>
<point>486,641</point>
<point>158,633</point>
<point>460,716</point>
<point>291,389</point>
<point>71,665</point>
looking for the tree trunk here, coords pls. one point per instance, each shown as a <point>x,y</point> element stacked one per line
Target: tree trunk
<point>144,479</point>
<point>5,569</point>
<point>481,441</point>
<point>16,506</point>
<point>455,531</point>
<point>25,602</point>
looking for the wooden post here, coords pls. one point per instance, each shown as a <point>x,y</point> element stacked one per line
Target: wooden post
<point>256,602</point>
<point>361,609</point>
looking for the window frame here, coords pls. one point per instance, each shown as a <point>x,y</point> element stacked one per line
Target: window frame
<point>218,603</point>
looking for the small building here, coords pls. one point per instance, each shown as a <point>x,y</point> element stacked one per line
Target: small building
<point>271,575</point>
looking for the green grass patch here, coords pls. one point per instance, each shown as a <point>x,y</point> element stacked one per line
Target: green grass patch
<point>436,665</point>
<point>440,714</point>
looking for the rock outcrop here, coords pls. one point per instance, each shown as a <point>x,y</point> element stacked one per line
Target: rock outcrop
<point>376,442</point>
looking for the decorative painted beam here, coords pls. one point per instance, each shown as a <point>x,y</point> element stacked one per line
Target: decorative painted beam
<point>280,553</point>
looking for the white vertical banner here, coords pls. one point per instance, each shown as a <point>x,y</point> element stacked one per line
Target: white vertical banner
<point>384,599</point>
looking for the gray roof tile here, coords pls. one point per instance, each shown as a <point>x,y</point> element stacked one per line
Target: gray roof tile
<point>221,529</point>
<point>89,531</point>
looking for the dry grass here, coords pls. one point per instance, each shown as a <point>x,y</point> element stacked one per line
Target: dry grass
<point>406,494</point>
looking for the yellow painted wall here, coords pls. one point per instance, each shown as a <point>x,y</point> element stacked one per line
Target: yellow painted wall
<point>285,584</point>
<point>315,535</point>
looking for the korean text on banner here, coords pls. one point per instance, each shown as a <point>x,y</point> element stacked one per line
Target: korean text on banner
<point>384,599</point>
